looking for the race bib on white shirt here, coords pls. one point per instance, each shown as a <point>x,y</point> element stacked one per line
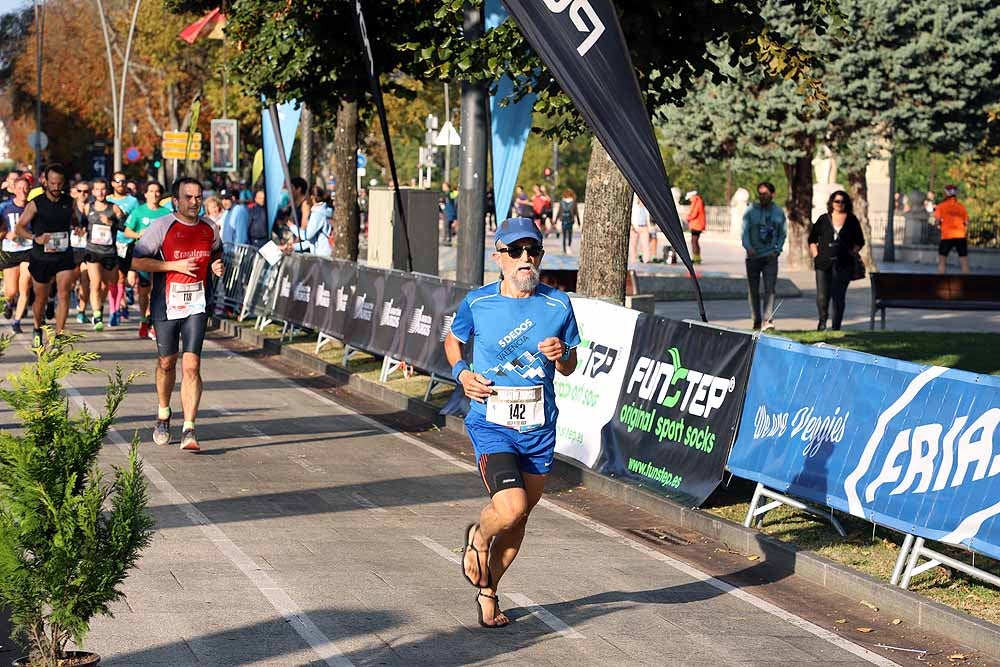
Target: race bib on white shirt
<point>184,299</point>
<point>100,235</point>
<point>17,245</point>
<point>519,408</point>
<point>58,242</point>
<point>78,240</point>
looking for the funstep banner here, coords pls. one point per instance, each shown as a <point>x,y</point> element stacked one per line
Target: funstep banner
<point>678,408</point>
<point>910,447</point>
<point>427,323</point>
<point>588,397</point>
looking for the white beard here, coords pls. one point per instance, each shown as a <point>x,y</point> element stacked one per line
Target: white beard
<point>525,283</point>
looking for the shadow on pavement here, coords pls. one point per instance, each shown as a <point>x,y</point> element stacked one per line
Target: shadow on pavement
<point>404,492</point>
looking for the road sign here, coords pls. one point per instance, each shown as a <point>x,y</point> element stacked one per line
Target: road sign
<point>448,135</point>
<point>132,154</point>
<point>176,143</point>
<point>362,161</point>
<point>38,141</point>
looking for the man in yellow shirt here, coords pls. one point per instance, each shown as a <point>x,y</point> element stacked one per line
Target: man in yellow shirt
<point>954,219</point>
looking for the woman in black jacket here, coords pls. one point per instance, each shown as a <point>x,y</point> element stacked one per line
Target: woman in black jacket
<point>834,240</point>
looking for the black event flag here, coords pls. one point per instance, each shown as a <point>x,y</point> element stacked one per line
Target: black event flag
<point>582,44</point>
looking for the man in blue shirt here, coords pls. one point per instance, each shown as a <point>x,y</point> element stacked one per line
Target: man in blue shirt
<point>764,234</point>
<point>524,332</point>
<point>235,221</point>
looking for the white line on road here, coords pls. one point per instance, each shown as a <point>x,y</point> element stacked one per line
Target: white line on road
<point>301,461</point>
<point>691,571</point>
<point>282,602</point>
<point>522,601</point>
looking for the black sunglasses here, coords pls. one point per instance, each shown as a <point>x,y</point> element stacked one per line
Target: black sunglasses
<point>839,201</point>
<point>534,251</point>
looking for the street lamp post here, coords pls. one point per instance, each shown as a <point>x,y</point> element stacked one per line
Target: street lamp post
<point>39,34</point>
<point>118,98</point>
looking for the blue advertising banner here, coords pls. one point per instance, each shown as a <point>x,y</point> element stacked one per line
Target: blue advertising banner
<point>509,126</point>
<point>274,176</point>
<point>910,447</point>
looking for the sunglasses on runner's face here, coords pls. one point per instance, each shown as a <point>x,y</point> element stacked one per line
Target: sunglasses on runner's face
<point>838,201</point>
<point>118,180</point>
<point>534,251</point>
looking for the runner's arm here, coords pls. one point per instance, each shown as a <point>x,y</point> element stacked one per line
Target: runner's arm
<point>475,385</point>
<point>21,228</point>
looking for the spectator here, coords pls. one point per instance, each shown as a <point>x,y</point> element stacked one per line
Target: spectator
<point>522,205</point>
<point>235,221</point>
<point>258,221</point>
<point>7,189</point>
<point>953,219</point>
<point>319,231</point>
<point>638,241</point>
<point>929,203</point>
<point>569,215</point>
<point>763,239</point>
<point>537,207</point>
<point>245,194</point>
<point>834,240</point>
<point>491,210</point>
<point>450,211</point>
<point>363,210</point>
<point>547,221</point>
<point>696,223</point>
<point>213,209</point>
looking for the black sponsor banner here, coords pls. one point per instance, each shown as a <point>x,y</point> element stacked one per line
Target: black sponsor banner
<point>389,327</point>
<point>364,309</point>
<point>428,320</point>
<point>338,283</point>
<point>678,409</point>
<point>582,44</point>
<point>288,277</point>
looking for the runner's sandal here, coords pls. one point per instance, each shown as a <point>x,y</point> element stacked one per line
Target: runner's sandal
<point>470,532</point>
<point>479,608</point>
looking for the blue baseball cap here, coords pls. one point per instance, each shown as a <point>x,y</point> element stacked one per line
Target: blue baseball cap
<point>514,229</point>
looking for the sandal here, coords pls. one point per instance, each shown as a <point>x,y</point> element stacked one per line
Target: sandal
<point>479,608</point>
<point>470,532</point>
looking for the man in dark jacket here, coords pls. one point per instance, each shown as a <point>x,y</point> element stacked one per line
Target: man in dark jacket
<point>260,231</point>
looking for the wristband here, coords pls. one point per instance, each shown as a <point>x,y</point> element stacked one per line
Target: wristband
<point>566,352</point>
<point>457,369</point>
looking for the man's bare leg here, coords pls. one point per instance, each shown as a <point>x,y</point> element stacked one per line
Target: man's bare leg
<point>38,307</point>
<point>191,386</point>
<point>64,284</point>
<point>503,521</point>
<point>23,289</point>
<point>166,377</point>
<point>942,262</point>
<point>964,263</point>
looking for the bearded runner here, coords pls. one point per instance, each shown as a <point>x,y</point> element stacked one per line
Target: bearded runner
<point>524,333</point>
<point>179,250</point>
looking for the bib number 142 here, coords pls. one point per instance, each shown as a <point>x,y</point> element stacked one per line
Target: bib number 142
<point>517,411</point>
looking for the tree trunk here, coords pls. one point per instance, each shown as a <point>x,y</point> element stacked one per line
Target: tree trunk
<point>799,207</point>
<point>345,206</point>
<point>858,189</point>
<point>604,246</point>
<point>306,146</point>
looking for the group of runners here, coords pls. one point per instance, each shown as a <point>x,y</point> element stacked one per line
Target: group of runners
<point>95,241</point>
<point>101,242</point>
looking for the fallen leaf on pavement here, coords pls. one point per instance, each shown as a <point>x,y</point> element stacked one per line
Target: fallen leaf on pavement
<point>753,557</point>
<point>866,603</point>
<point>897,621</point>
<point>957,656</point>
<point>841,621</point>
<point>865,630</point>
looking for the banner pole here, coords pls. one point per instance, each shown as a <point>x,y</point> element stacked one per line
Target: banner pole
<point>272,110</point>
<point>472,180</point>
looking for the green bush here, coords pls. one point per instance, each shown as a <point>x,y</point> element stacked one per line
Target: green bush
<point>67,538</point>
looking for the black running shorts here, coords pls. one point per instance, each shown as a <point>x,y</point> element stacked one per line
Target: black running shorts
<point>961,245</point>
<point>171,333</point>
<point>107,260</point>
<point>44,270</point>
<point>13,260</point>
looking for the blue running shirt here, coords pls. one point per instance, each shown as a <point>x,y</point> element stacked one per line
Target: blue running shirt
<point>507,332</point>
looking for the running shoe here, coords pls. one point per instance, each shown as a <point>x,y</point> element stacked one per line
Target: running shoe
<point>37,338</point>
<point>98,323</point>
<point>189,443</point>
<point>124,312</point>
<point>81,317</point>
<point>152,332</point>
<point>161,432</point>
<point>130,296</point>
<point>15,326</point>
<point>144,330</point>
<point>116,319</point>
<point>50,310</point>
<point>8,311</point>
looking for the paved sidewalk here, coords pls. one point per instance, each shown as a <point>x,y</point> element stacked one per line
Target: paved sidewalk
<point>307,534</point>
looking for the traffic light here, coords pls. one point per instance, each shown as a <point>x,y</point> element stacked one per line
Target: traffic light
<point>157,158</point>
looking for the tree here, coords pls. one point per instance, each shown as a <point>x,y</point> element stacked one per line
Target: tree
<point>669,44</point>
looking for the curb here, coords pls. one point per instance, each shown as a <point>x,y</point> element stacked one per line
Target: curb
<point>912,608</point>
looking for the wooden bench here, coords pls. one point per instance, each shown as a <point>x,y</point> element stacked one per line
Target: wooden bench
<point>933,291</point>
